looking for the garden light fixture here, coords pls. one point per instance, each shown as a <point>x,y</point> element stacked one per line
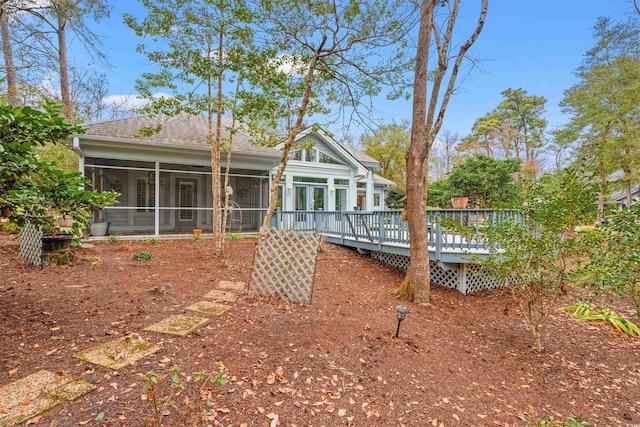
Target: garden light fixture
<point>402,312</point>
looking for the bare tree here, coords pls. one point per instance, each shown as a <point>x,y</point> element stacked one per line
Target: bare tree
<point>437,19</point>
<point>342,52</point>
<point>7,53</point>
<point>42,30</point>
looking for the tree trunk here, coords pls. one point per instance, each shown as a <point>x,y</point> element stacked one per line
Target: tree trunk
<point>425,125</point>
<point>12,86</point>
<point>293,132</point>
<point>417,285</point>
<point>67,108</point>
<point>218,246</point>
<point>603,190</point>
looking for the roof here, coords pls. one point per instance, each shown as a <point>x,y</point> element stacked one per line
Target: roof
<point>359,155</point>
<point>182,129</point>
<point>377,179</point>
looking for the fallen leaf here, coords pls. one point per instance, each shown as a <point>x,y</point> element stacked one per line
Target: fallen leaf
<point>100,416</point>
<point>13,371</point>
<point>271,415</point>
<point>342,412</point>
<point>84,423</point>
<point>34,420</point>
<point>261,409</point>
<point>274,421</point>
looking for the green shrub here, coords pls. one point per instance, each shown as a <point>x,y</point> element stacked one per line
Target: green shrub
<point>152,240</point>
<point>112,238</point>
<point>142,256</point>
<point>586,312</point>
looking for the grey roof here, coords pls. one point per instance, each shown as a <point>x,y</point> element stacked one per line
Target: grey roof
<point>182,130</point>
<point>359,155</point>
<point>377,179</point>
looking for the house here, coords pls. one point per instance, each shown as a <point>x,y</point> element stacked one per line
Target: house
<point>165,178</point>
<point>619,198</point>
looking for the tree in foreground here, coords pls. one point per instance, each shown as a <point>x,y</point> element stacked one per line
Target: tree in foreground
<point>535,250</point>
<point>437,21</point>
<point>340,53</point>
<point>209,47</point>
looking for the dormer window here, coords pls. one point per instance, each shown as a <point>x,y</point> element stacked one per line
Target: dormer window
<point>313,155</point>
<point>295,155</point>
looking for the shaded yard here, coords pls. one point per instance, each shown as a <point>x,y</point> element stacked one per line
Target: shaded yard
<point>466,360</point>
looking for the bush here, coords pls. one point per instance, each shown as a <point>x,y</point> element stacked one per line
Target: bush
<point>142,256</point>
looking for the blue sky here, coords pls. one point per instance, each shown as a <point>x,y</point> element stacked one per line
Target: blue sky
<point>535,45</point>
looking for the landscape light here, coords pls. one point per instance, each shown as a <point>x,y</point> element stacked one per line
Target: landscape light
<point>402,312</point>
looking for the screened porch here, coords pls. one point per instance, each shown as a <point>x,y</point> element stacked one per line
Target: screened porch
<point>167,198</point>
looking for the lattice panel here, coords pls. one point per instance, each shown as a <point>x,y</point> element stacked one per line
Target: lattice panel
<point>439,276</point>
<point>284,265</point>
<point>478,279</point>
<point>394,260</point>
<point>447,278</point>
<point>31,244</point>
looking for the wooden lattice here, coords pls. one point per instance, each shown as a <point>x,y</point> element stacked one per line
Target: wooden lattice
<point>479,279</point>
<point>31,244</point>
<point>284,265</point>
<point>467,278</point>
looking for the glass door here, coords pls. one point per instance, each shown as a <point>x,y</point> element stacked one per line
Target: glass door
<point>309,198</point>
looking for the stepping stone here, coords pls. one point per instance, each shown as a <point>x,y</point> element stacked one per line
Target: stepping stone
<point>232,286</point>
<point>36,393</point>
<point>221,295</point>
<point>208,307</point>
<point>177,325</point>
<point>119,353</point>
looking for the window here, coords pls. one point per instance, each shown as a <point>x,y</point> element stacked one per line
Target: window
<point>309,179</point>
<point>311,155</point>
<point>279,198</point>
<point>361,200</point>
<point>145,194</point>
<point>295,155</point>
<point>341,199</point>
<point>186,199</point>
<point>376,200</point>
<point>325,158</point>
<point>362,185</point>
<point>337,181</point>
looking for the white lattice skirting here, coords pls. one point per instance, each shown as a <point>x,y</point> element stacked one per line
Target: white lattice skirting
<point>467,278</point>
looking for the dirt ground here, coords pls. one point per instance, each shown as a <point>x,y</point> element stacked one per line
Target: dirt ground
<point>462,361</point>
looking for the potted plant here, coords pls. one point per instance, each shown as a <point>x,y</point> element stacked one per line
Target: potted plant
<point>460,202</point>
<point>197,232</point>
<point>99,229</point>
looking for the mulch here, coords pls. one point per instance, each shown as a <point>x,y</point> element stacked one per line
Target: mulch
<point>463,360</point>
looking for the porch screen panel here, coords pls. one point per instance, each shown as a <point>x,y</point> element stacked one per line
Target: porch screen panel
<point>186,199</point>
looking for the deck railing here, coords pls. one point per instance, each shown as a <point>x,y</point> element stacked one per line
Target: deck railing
<point>388,228</point>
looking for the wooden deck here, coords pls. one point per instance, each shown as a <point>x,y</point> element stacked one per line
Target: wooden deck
<point>385,231</point>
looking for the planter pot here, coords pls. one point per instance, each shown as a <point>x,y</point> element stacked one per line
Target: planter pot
<point>99,229</point>
<point>56,242</point>
<point>65,222</point>
<point>197,231</point>
<point>459,202</point>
